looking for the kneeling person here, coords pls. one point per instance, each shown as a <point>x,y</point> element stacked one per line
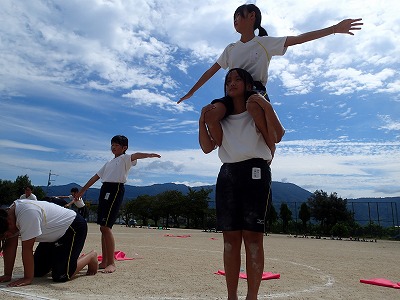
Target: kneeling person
<point>61,234</point>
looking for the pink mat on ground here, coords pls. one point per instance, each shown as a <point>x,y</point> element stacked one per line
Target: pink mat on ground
<point>178,236</point>
<point>265,275</point>
<point>118,255</point>
<point>381,282</point>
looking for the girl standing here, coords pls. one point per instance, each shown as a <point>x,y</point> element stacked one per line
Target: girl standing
<point>244,181</point>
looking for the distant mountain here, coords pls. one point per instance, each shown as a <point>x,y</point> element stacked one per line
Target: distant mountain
<point>382,211</point>
<point>281,192</point>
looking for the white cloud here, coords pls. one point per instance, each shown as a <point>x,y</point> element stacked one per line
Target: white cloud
<point>74,73</point>
<point>16,145</point>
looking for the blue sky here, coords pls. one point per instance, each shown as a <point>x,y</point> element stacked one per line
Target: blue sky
<point>75,73</point>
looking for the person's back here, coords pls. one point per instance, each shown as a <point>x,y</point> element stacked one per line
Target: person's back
<point>45,221</point>
<point>60,234</point>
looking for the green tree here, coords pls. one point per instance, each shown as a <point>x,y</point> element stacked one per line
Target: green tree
<point>286,215</point>
<point>10,191</point>
<point>328,210</point>
<point>304,215</point>
<point>340,230</point>
<point>172,205</point>
<point>195,207</point>
<point>127,212</point>
<point>272,217</point>
<point>7,194</point>
<point>142,208</point>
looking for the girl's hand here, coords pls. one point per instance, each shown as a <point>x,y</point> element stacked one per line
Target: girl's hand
<point>205,109</point>
<point>259,99</point>
<point>346,25</point>
<point>187,96</point>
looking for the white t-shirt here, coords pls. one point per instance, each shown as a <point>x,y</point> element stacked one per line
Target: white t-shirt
<point>116,170</point>
<point>253,56</point>
<point>31,197</point>
<point>45,221</point>
<point>241,140</point>
<point>79,203</point>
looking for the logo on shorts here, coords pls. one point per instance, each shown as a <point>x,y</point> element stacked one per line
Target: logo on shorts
<point>259,221</point>
<point>57,244</point>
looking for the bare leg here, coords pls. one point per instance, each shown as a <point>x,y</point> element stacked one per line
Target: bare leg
<point>253,242</point>
<point>212,118</point>
<point>90,260</point>
<point>103,264</point>
<point>108,247</point>
<point>232,247</point>
<point>258,115</point>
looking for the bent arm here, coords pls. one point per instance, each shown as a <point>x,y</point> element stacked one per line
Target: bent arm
<point>70,203</point>
<point>207,144</point>
<point>202,80</point>
<point>275,129</point>
<point>346,26</point>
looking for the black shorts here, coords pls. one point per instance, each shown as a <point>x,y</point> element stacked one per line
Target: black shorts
<point>242,195</point>
<point>83,211</point>
<point>110,200</point>
<point>61,257</point>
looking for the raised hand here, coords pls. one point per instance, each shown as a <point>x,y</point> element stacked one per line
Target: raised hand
<point>347,25</point>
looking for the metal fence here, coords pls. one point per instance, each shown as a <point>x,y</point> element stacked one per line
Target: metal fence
<point>385,214</point>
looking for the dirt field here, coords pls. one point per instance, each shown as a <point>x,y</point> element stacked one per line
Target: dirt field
<point>168,267</point>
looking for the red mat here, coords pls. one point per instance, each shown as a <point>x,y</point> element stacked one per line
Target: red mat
<point>381,282</point>
<point>265,275</point>
<point>118,255</point>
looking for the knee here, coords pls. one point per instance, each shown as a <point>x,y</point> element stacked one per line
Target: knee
<point>104,229</point>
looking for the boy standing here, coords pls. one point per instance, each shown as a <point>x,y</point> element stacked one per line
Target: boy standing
<point>113,176</point>
<point>78,201</point>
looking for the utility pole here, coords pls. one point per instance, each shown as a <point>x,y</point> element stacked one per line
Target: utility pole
<point>50,180</point>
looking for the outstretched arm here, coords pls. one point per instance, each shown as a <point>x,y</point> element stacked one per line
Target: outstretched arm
<point>346,26</point>
<point>87,185</point>
<point>139,155</point>
<point>70,203</point>
<point>203,79</point>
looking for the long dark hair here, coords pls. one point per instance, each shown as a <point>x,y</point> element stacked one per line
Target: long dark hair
<point>246,77</point>
<point>250,8</point>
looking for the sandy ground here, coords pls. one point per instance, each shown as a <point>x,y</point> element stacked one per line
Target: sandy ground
<point>183,268</point>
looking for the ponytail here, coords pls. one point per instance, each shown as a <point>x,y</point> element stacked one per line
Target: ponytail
<point>262,31</point>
